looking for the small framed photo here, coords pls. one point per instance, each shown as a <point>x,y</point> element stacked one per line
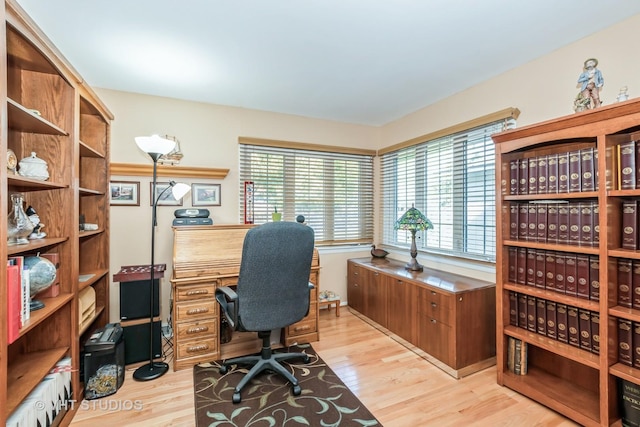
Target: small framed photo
<point>124,193</point>
<point>205,195</point>
<point>167,198</point>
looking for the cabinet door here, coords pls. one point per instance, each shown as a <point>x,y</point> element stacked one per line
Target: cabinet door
<point>434,336</point>
<point>375,297</point>
<point>354,287</point>
<point>401,311</point>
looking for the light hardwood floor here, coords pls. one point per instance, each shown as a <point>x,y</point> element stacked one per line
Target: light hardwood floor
<point>400,388</point>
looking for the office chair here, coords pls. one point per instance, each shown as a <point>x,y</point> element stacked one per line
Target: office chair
<point>272,293</point>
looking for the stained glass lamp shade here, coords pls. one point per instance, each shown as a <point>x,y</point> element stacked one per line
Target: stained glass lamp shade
<point>413,220</point>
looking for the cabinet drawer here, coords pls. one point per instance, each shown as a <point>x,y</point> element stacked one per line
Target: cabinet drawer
<point>198,329</point>
<point>197,347</point>
<point>306,325</point>
<point>437,306</point>
<point>436,339</point>
<point>196,310</point>
<point>195,292</point>
<point>228,281</point>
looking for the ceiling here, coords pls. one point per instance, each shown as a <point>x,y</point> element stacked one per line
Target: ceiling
<point>358,61</point>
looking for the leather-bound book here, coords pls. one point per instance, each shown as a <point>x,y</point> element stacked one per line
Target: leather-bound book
<point>541,218</point>
<point>514,210</point>
<point>594,278</point>
<point>627,166</point>
<point>522,311</point>
<point>514,166</point>
<point>541,316</point>
<point>563,173</point>
<point>595,332</point>
<point>635,341</point>
<point>540,279</point>
<point>552,173</point>
<point>570,274</point>
<point>596,224</point>
<point>543,174</point>
<point>523,221</point>
<point>625,341</point>
<point>551,320</point>
<point>532,219</point>
<point>625,279</point>
<point>552,223</point>
<point>582,276</point>
<point>575,173</point>
<point>587,169</point>
<point>563,223</point>
<point>586,224</point>
<point>550,269</point>
<point>584,319</point>
<point>573,326</point>
<point>560,272</point>
<point>513,308</point>
<point>523,177</point>
<point>531,267</point>
<point>521,267</point>
<point>531,313</point>
<point>635,285</point>
<point>630,224</point>
<point>562,322</point>
<point>574,224</point>
<point>533,175</point>
<point>513,264</point>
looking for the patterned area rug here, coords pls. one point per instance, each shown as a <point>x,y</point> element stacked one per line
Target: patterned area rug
<point>267,400</point>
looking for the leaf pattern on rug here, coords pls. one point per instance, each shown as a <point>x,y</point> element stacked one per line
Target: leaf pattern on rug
<point>267,400</point>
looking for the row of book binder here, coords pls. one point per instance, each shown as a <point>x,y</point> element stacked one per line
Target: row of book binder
<point>47,400</point>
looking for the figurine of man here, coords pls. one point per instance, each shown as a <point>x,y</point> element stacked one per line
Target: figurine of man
<point>591,81</point>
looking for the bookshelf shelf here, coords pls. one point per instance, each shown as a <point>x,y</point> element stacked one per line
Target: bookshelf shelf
<point>580,383</point>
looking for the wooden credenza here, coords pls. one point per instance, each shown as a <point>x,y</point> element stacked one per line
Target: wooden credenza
<point>204,258</point>
<point>449,319</point>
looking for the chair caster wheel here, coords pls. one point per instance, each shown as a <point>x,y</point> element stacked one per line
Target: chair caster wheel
<point>296,390</point>
<point>236,397</point>
<point>223,369</point>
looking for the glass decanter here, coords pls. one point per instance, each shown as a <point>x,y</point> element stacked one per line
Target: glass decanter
<point>19,224</point>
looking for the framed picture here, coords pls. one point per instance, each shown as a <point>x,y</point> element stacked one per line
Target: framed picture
<point>124,193</point>
<point>167,198</point>
<point>205,194</point>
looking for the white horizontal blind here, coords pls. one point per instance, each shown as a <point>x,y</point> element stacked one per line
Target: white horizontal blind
<point>334,191</point>
<point>451,180</point>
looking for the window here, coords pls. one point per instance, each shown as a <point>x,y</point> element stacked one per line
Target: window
<point>333,190</point>
<point>451,179</point>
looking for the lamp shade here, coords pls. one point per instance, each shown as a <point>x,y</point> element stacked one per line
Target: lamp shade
<point>180,190</point>
<point>413,220</point>
<point>155,144</point>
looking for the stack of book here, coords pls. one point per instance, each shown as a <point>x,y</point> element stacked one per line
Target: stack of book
<point>571,325</point>
<point>628,158</point>
<point>629,343</point>
<point>517,356</point>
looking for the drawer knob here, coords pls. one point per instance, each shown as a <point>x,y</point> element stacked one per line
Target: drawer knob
<point>434,305</point>
<point>198,310</point>
<point>198,292</point>
<point>196,348</point>
<point>197,329</point>
<point>433,320</point>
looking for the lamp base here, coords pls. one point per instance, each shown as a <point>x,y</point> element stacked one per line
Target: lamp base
<point>150,371</point>
<point>413,265</point>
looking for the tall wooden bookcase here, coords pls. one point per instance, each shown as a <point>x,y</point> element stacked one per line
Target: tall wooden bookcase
<point>47,108</point>
<point>576,381</point>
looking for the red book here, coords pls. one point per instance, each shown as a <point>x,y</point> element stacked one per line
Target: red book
<point>574,224</point>
<point>584,319</point>
<point>552,173</point>
<point>560,278</point>
<point>561,323</point>
<point>570,274</point>
<point>541,316</point>
<point>575,173</point>
<point>514,166</point>
<point>543,174</point>
<point>627,166</point>
<point>625,342</point>
<point>563,223</point>
<point>625,278</point>
<point>587,167</point>
<point>594,278</point>
<point>550,268</point>
<point>551,319</point>
<point>573,326</point>
<point>582,278</point>
<point>533,175</point>
<point>595,332</point>
<point>13,302</point>
<point>563,172</point>
<point>552,223</point>
<point>629,224</point>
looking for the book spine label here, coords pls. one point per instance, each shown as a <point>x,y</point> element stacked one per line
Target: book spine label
<point>582,276</point>
<point>594,278</point>
<point>514,166</point>
<point>575,174</point>
<point>587,169</point>
<point>562,323</point>
<point>570,274</point>
<point>584,325</point>
<point>625,342</point>
<point>560,272</point>
<point>533,175</point>
<point>550,268</point>
<point>574,224</point>
<point>573,326</point>
<point>552,172</point>
<point>543,174</point>
<point>627,168</point>
<point>625,279</point>
<point>563,172</point>
<point>552,223</point>
<point>541,316</point>
<point>551,320</point>
<point>629,224</point>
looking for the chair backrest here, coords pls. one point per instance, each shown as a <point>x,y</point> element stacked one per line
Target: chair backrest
<point>273,283</point>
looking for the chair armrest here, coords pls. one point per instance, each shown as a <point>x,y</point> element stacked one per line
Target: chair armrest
<point>228,300</point>
<point>311,286</point>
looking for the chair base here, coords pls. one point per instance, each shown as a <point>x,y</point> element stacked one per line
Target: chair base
<point>263,361</point>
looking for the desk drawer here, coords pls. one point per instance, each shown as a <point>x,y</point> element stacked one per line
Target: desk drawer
<point>195,292</point>
<point>307,325</point>
<point>196,310</point>
<point>197,329</point>
<point>199,347</point>
<point>436,305</point>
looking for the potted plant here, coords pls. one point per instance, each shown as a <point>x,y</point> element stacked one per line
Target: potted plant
<point>276,216</point>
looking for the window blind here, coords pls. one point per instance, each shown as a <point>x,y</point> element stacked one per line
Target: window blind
<point>450,179</point>
<point>334,191</point>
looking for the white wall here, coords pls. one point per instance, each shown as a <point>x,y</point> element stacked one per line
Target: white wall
<point>542,89</point>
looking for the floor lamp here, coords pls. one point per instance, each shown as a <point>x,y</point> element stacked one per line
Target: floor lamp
<point>156,146</point>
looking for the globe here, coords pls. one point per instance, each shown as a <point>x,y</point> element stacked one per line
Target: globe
<point>42,274</point>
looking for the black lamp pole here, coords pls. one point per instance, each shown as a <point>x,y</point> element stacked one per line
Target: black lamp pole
<point>152,370</point>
